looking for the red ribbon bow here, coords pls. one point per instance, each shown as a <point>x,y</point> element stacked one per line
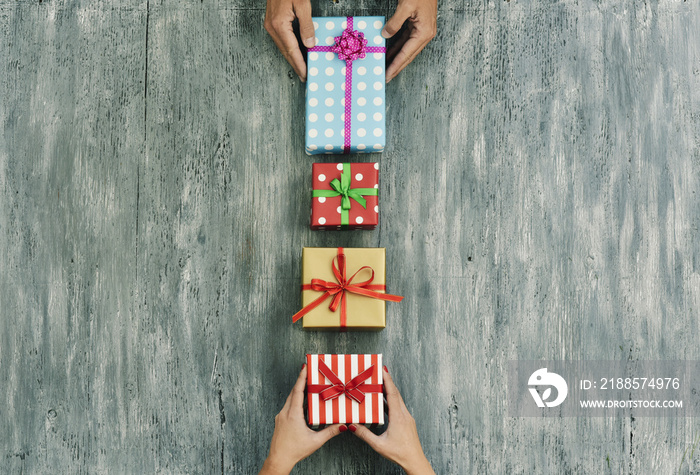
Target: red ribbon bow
<point>337,290</point>
<point>354,389</point>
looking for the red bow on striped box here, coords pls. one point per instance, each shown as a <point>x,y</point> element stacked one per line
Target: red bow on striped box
<point>344,389</point>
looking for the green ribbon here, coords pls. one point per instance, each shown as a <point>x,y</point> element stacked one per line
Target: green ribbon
<point>342,188</point>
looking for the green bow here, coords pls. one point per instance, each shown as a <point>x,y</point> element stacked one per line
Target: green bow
<point>342,188</point>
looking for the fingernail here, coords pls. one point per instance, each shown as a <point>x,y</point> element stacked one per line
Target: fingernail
<point>352,427</point>
<point>303,365</point>
<point>385,34</point>
<point>310,42</point>
<point>386,369</point>
<point>343,428</point>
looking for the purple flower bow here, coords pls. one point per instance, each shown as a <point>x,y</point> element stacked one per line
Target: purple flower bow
<point>351,45</point>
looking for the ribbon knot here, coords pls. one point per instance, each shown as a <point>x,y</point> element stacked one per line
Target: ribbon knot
<point>342,187</point>
<point>354,389</point>
<point>350,45</point>
<point>338,289</point>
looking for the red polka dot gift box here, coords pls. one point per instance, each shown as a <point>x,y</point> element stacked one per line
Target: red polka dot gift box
<point>345,196</point>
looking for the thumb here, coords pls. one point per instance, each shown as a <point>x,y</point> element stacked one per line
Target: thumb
<point>395,23</point>
<point>329,432</point>
<point>306,25</point>
<point>364,434</point>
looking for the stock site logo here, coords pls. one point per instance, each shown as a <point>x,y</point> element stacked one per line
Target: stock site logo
<point>552,380</point>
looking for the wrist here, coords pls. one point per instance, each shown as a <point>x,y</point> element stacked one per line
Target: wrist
<point>418,465</point>
<point>274,466</point>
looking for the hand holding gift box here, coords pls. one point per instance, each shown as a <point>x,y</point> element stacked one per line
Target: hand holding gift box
<point>354,304</point>
<point>419,18</point>
<point>293,440</point>
<point>345,195</point>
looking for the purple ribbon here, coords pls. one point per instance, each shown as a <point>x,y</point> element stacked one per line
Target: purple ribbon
<point>349,46</point>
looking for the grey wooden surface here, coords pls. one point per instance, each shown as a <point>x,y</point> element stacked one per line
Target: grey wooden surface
<point>540,199</point>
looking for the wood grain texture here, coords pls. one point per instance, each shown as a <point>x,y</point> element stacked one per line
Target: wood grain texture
<point>539,199</point>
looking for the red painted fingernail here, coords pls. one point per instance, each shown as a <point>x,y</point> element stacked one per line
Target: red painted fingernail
<point>302,366</point>
<point>343,428</point>
<point>386,369</point>
<point>352,428</point>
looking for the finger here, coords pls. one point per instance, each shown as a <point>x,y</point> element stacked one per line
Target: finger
<point>395,23</point>
<point>405,34</point>
<point>306,26</point>
<point>297,394</point>
<point>393,397</point>
<point>329,432</point>
<point>293,54</point>
<point>404,57</point>
<point>287,43</point>
<point>365,434</point>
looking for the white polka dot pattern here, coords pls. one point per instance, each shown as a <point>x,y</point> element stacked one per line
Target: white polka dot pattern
<point>327,211</point>
<point>325,91</point>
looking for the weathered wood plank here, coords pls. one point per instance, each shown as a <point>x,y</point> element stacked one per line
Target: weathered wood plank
<point>72,114</point>
<point>538,200</point>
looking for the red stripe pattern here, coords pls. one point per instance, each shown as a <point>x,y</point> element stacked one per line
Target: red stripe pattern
<point>344,389</point>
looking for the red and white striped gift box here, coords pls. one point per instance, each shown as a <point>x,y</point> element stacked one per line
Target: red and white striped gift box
<point>341,406</point>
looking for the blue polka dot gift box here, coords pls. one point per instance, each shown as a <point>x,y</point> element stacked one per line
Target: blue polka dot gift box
<point>345,86</point>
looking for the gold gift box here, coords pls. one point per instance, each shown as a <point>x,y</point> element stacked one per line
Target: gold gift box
<point>363,313</point>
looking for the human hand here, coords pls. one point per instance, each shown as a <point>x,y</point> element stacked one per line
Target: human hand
<point>293,440</point>
<point>420,17</point>
<point>279,16</point>
<point>399,443</point>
